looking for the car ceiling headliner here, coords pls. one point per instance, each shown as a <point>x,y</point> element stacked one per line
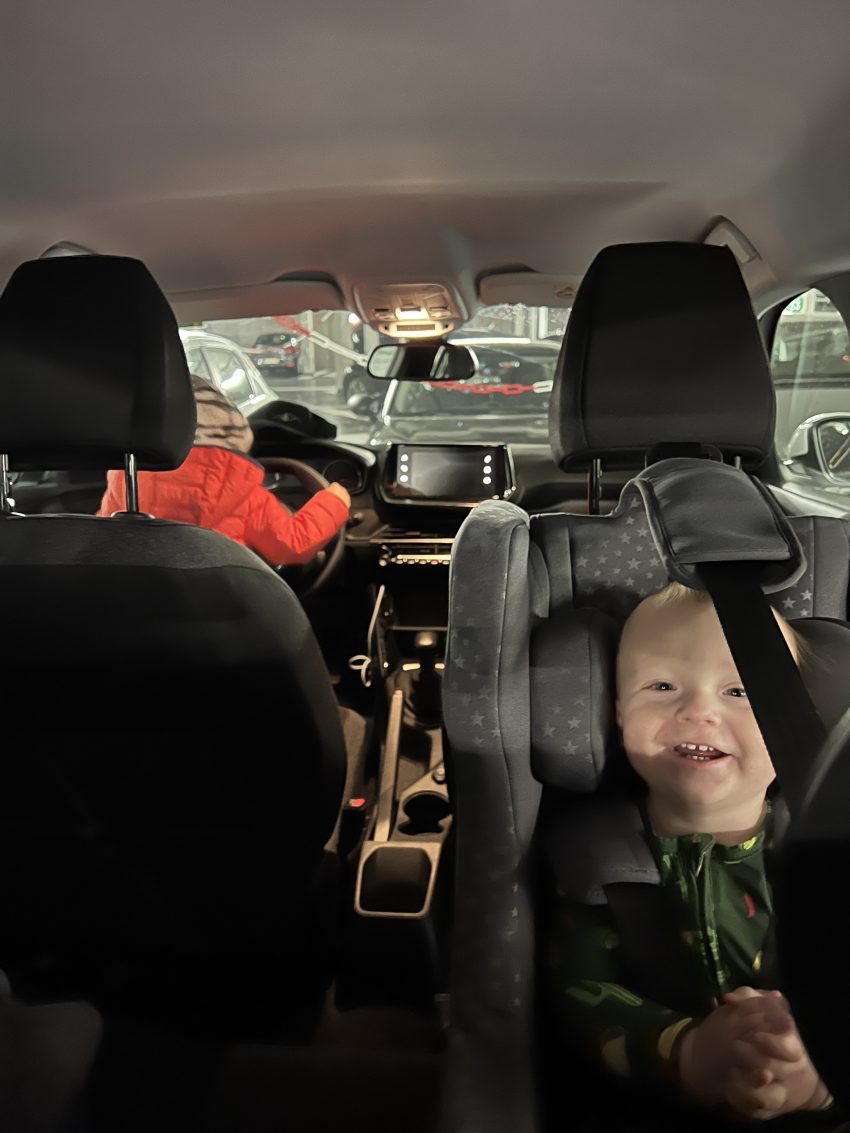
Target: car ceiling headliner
<point>226,144</point>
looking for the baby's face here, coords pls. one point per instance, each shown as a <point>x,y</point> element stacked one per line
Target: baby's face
<point>688,728</point>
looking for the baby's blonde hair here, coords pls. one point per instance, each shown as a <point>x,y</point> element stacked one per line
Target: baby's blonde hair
<point>674,593</point>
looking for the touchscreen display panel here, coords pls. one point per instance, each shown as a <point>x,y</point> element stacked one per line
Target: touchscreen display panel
<point>451,473</point>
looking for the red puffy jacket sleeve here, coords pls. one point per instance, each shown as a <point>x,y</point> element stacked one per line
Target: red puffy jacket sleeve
<point>281,538</point>
<point>115,496</point>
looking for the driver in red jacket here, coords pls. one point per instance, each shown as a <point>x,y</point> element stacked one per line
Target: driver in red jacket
<point>220,486</point>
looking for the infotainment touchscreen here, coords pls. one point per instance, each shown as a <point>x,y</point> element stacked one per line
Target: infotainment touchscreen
<point>447,473</point>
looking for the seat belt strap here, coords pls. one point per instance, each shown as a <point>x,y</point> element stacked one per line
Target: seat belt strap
<point>787,718</point>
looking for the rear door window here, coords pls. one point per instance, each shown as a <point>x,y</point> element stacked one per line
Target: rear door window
<point>810,364</point>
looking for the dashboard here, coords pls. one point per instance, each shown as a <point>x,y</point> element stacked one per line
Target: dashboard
<point>346,464</point>
<point>408,502</point>
<point>429,488</point>
<point>411,488</point>
<point>346,471</point>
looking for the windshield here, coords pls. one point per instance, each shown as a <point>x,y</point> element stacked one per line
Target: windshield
<point>318,360</point>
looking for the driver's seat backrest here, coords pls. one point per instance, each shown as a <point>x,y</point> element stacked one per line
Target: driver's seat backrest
<point>178,761</point>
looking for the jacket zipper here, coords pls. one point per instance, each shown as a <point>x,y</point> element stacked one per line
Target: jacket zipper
<point>702,891</point>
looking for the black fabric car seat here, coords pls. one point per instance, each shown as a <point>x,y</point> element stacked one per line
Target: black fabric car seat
<point>173,761</point>
<point>662,357</point>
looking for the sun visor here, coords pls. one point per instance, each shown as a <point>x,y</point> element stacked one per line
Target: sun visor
<point>688,503</point>
<point>530,287</point>
<point>288,296</point>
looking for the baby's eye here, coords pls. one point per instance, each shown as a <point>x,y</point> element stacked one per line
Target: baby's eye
<point>661,686</point>
<point>738,691</point>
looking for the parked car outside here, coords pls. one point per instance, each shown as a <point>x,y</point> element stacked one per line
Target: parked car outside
<point>228,367</point>
<point>277,354</point>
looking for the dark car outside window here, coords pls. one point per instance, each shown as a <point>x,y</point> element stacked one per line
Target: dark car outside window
<point>472,398</point>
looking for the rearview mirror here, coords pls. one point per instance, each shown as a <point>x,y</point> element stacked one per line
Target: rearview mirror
<point>422,362</point>
<point>823,443</point>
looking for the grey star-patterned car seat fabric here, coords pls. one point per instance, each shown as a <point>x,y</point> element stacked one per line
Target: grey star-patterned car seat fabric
<point>537,603</point>
<point>616,571</point>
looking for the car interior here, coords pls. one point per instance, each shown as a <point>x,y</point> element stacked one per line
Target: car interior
<point>284,842</point>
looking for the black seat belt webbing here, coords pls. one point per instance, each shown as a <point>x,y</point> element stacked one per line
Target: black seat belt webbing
<point>788,720</point>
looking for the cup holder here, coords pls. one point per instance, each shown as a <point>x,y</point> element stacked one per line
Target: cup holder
<point>396,879</point>
<point>424,814</point>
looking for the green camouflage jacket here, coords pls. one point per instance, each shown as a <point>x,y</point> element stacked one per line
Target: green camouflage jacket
<point>718,905</point>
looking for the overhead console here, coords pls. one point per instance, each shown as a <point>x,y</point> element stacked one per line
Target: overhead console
<point>446,476</point>
<point>410,310</point>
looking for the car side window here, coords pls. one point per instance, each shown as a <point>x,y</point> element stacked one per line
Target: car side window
<point>197,363</point>
<point>230,374</point>
<point>810,364</point>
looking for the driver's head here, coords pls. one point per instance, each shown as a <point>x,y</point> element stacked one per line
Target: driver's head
<point>219,421</point>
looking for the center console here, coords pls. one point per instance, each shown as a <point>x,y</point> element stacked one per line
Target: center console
<point>423,494</point>
<point>399,860</point>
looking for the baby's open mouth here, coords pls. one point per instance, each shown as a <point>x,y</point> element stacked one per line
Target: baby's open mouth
<point>701,753</point>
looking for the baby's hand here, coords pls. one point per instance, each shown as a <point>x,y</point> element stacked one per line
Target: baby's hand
<point>757,1085</point>
<point>717,1062</point>
<point>772,1073</point>
<point>708,1054</point>
<point>340,493</point>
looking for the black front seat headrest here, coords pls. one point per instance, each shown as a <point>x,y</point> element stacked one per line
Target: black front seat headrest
<point>662,347</point>
<point>91,368</point>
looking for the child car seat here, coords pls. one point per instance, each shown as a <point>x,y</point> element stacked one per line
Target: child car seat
<point>662,357</point>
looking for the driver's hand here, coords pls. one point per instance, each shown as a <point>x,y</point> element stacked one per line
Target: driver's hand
<point>340,493</point>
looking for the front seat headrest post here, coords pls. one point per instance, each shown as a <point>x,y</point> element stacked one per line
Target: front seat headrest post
<point>131,479</point>
<point>594,487</point>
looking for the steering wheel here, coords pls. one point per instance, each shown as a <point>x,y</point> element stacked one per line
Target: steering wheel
<point>307,578</point>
